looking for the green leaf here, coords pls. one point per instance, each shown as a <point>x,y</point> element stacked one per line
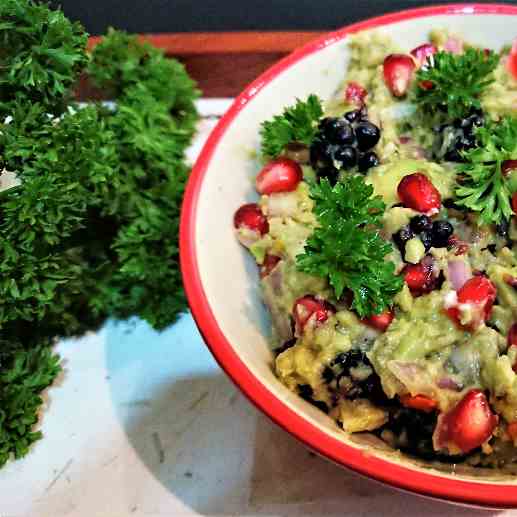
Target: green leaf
<point>482,187</point>
<point>346,247</point>
<point>297,123</point>
<point>453,83</point>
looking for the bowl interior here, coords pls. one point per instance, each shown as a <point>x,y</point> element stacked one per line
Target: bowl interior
<point>228,275</point>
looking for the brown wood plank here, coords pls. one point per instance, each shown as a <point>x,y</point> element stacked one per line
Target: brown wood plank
<point>221,63</point>
<point>226,42</point>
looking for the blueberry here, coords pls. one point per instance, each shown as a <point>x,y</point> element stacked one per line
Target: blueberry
<point>344,134</point>
<point>328,374</point>
<point>331,173</point>
<point>502,227</point>
<point>427,239</point>
<point>328,126</point>
<point>321,154</point>
<point>420,223</point>
<point>401,237</point>
<point>441,232</point>
<point>367,135</point>
<point>367,161</point>
<point>352,116</point>
<point>347,156</point>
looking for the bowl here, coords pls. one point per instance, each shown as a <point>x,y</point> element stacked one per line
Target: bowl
<point>221,280</point>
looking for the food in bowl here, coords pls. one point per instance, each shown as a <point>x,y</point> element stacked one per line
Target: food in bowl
<point>385,242</point>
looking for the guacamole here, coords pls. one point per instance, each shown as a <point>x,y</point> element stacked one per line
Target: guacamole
<point>432,373</point>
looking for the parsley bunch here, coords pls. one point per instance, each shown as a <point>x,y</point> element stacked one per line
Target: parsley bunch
<point>91,229</point>
<point>482,185</point>
<point>298,123</point>
<point>454,82</point>
<point>346,247</point>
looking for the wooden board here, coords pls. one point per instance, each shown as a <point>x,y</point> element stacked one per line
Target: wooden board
<point>222,63</point>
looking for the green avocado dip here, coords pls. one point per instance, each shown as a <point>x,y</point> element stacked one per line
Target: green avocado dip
<point>385,239</point>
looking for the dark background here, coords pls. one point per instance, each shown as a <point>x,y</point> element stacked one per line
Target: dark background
<point>227,15</point>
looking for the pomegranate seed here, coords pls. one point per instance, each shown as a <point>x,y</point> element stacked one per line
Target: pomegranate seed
<point>507,166</point>
<point>511,62</point>
<point>269,263</point>
<point>422,52</point>
<point>380,321</point>
<point>280,175</point>
<point>309,307</point>
<point>355,93</point>
<point>480,292</point>
<point>512,430</point>
<point>417,192</point>
<point>471,423</point>
<point>398,71</point>
<point>426,85</point>
<point>420,402</point>
<point>251,217</point>
<point>514,203</point>
<point>419,278</point>
<point>512,335</point>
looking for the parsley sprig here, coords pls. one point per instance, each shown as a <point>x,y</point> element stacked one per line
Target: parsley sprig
<point>482,185</point>
<point>454,82</point>
<point>297,123</point>
<point>346,247</point>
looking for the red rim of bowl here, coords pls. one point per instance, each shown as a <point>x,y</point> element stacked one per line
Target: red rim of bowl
<point>424,483</point>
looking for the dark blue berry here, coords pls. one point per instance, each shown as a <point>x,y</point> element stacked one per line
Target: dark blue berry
<point>440,233</point>
<point>347,156</point>
<point>321,154</point>
<point>331,173</point>
<point>401,237</point>
<point>502,227</point>
<point>367,135</point>
<point>353,116</point>
<point>367,161</point>
<point>427,239</point>
<point>344,134</point>
<point>420,223</point>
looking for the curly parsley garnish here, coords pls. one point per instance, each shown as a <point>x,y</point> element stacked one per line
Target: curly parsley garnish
<point>454,82</point>
<point>298,123</point>
<point>482,185</point>
<point>346,246</point>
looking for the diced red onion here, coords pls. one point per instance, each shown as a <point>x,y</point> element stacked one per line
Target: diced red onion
<point>459,273</point>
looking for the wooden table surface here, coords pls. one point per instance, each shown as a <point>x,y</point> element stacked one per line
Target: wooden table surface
<point>224,63</point>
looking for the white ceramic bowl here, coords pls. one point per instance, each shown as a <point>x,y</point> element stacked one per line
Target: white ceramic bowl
<point>221,279</point>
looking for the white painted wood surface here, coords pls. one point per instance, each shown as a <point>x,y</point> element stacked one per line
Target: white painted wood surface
<point>146,424</point>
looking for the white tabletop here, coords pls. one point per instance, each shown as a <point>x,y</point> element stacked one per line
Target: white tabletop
<point>147,424</point>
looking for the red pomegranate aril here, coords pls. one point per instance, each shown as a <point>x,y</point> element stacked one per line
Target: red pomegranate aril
<point>511,63</point>
<point>269,263</point>
<point>419,278</point>
<point>422,52</point>
<point>512,340</point>
<point>417,192</point>
<point>471,422</point>
<point>380,321</point>
<point>355,93</point>
<point>514,203</point>
<point>507,166</point>
<point>309,307</point>
<point>479,292</point>
<point>280,175</point>
<point>398,72</point>
<point>426,85</point>
<point>250,216</point>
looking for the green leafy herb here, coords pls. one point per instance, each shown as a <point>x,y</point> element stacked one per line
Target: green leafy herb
<point>42,54</point>
<point>346,246</point>
<point>453,83</point>
<point>91,229</point>
<point>24,374</point>
<point>482,185</point>
<point>297,123</point>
